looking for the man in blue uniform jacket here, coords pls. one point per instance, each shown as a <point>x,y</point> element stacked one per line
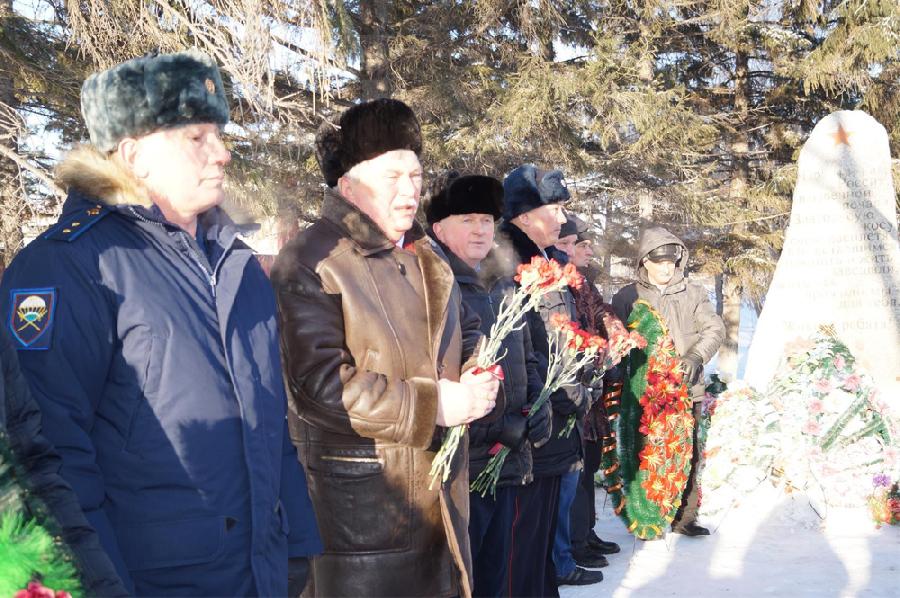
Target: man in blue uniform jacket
<point>148,334</point>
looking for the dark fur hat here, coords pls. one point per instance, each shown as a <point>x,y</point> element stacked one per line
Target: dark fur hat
<point>570,227</point>
<point>576,226</point>
<point>151,93</point>
<point>527,188</point>
<point>453,193</point>
<point>363,132</point>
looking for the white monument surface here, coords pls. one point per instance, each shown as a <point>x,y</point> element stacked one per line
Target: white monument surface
<point>840,264</point>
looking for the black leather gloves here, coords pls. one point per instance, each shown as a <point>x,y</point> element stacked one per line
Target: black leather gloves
<point>692,366</point>
<point>539,426</point>
<point>514,431</point>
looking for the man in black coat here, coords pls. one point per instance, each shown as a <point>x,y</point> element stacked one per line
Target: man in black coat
<point>596,317</point>
<point>461,211</point>
<point>532,217</point>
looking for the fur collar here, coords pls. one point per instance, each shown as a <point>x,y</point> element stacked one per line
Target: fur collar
<point>361,229</point>
<point>500,263</point>
<point>93,174</point>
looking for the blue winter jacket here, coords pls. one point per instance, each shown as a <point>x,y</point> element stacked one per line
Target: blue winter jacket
<point>158,373</point>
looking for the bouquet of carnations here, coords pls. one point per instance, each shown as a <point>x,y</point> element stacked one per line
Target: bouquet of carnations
<point>536,279</point>
<point>571,349</point>
<point>608,356</point>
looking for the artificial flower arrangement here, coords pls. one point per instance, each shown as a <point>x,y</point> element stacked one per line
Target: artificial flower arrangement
<point>885,501</point>
<point>821,429</point>
<point>36,589</point>
<point>836,432</point>
<point>32,553</point>
<point>653,429</point>
<point>734,459</point>
<point>536,279</point>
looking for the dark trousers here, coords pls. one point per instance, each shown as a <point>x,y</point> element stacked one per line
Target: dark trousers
<point>584,512</point>
<point>690,499</point>
<point>531,572</point>
<point>490,534</point>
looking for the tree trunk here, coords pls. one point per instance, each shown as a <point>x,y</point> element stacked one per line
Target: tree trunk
<point>12,200</point>
<point>731,315</point>
<point>720,293</point>
<point>375,59</point>
<point>732,289</point>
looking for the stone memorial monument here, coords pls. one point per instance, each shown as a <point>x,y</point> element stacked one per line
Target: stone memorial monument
<point>840,264</point>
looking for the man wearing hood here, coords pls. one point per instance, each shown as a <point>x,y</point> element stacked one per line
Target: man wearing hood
<point>696,330</point>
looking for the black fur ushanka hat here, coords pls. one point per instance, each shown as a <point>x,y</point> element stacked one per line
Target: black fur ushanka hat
<point>453,194</point>
<point>364,132</point>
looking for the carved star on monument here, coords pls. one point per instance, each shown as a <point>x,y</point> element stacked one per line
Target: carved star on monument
<point>841,135</point>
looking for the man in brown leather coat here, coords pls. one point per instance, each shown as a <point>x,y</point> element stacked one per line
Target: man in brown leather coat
<point>377,355</point>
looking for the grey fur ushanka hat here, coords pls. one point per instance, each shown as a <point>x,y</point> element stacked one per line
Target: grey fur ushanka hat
<point>153,92</point>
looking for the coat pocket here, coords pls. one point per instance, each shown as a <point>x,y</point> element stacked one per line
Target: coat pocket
<point>362,498</point>
<point>172,543</point>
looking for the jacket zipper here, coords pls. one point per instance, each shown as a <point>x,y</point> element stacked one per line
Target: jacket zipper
<point>210,276</point>
<point>195,257</point>
<point>350,459</point>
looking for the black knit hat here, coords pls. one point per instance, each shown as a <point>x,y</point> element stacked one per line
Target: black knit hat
<point>363,132</point>
<point>453,193</point>
<point>527,188</point>
<point>151,93</point>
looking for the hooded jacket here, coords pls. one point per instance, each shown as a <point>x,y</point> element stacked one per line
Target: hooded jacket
<point>559,455</point>
<point>483,292</point>
<point>368,329</point>
<point>684,306</point>
<point>158,374</point>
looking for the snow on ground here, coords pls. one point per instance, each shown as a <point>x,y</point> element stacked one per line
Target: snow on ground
<point>770,545</point>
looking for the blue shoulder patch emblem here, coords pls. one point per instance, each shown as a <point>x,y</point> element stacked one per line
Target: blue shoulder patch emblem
<point>31,320</point>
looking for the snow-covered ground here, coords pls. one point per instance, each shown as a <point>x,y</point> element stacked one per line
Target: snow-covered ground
<point>770,545</point>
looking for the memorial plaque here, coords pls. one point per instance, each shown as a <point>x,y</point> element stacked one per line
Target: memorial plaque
<point>840,264</point>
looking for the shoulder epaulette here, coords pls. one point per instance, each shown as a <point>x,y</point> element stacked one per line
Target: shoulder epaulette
<point>76,223</point>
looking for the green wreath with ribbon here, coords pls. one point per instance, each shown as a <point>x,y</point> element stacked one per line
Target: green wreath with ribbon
<point>647,460</point>
<point>32,552</point>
